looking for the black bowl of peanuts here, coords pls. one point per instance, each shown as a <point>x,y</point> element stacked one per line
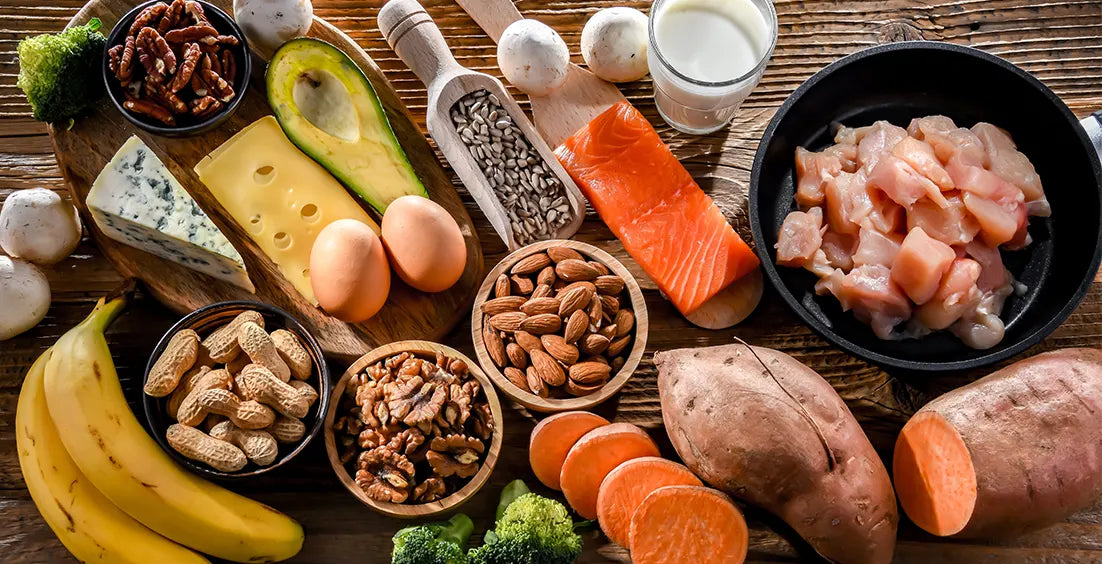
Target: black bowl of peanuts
<point>236,389</point>
<point>176,67</point>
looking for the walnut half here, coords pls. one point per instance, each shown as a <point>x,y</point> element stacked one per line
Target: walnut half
<point>385,475</point>
<point>455,455</point>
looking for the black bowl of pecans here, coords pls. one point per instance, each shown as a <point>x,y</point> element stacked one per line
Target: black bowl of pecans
<point>414,429</point>
<point>176,68</point>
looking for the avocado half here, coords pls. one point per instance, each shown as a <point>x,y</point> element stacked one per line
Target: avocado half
<point>327,108</point>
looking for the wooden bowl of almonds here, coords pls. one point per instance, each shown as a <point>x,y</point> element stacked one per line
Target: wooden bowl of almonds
<point>236,389</point>
<point>559,325</point>
<point>413,429</point>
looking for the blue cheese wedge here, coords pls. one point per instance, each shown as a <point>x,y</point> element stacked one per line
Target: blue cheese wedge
<point>135,200</point>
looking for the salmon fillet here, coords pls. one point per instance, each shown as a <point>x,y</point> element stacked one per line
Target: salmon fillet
<point>651,203</point>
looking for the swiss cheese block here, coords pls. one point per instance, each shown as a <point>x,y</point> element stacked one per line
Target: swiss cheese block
<point>281,197</point>
<point>135,200</point>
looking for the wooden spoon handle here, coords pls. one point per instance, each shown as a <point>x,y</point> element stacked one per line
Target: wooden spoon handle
<point>493,16</point>
<point>410,31</point>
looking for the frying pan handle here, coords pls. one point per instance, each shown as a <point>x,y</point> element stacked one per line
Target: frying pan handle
<point>1093,125</point>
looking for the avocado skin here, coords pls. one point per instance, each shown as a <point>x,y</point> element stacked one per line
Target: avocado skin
<point>373,166</point>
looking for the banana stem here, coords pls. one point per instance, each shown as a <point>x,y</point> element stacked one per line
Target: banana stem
<point>104,313</point>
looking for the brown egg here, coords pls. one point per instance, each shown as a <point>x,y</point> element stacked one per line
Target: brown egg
<point>349,271</point>
<point>425,245</point>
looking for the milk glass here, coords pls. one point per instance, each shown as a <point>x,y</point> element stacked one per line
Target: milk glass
<point>705,56</point>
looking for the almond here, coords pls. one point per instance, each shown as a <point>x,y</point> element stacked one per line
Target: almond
<point>516,376</point>
<point>610,306</point>
<point>593,343</point>
<point>625,320</point>
<point>528,341</point>
<point>501,286</point>
<point>547,369</point>
<point>573,270</point>
<point>609,285</point>
<point>576,326</point>
<point>494,345</point>
<point>536,306</point>
<point>542,324</point>
<point>558,348</point>
<point>600,268</point>
<point>575,389</point>
<point>617,346</point>
<point>559,254</point>
<point>588,373</point>
<point>517,356</point>
<point>596,310</point>
<point>542,291</point>
<point>522,285</point>
<point>546,276</point>
<point>502,304</point>
<point>573,299</point>
<point>531,263</point>
<point>617,363</point>
<point>509,321</point>
<point>535,383</point>
<point>595,358</point>
<point>608,331</point>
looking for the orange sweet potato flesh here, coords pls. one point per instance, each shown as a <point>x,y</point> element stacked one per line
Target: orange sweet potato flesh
<point>552,439</point>
<point>934,477</point>
<point>683,524</point>
<point>625,488</point>
<point>1033,437</point>
<point>761,426</point>
<point>596,454</point>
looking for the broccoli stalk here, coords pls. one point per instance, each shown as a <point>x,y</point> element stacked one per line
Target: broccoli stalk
<point>530,529</point>
<point>60,73</point>
<point>433,543</point>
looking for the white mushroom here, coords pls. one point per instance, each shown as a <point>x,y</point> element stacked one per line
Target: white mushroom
<point>270,23</point>
<point>24,296</point>
<point>533,57</point>
<point>614,44</point>
<point>37,225</point>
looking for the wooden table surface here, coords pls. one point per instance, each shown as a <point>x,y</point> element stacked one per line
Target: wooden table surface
<point>1059,41</point>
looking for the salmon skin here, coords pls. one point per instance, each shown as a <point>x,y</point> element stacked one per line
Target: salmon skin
<point>651,203</point>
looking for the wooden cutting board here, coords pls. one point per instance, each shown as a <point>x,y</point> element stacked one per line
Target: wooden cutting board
<point>84,150</point>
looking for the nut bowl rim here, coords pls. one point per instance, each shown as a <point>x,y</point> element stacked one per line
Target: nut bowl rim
<point>241,82</point>
<point>158,421</point>
<point>456,498</point>
<point>615,383</point>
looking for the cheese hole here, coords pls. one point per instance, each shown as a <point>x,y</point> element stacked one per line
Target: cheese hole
<point>306,273</point>
<point>282,240</point>
<point>326,102</point>
<point>309,213</point>
<point>255,224</point>
<point>264,175</point>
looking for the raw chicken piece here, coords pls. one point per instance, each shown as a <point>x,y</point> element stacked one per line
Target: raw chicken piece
<point>903,184</point>
<point>1004,159</point>
<point>948,140</point>
<point>819,265</point>
<point>956,295</point>
<point>981,328</point>
<point>876,141</point>
<point>919,127</point>
<point>847,155</point>
<point>839,249</point>
<point>982,182</point>
<point>886,216</point>
<point>813,171</point>
<point>874,298</point>
<point>994,277</point>
<point>952,225</point>
<point>1000,221</point>
<point>921,157</point>
<point>800,237</point>
<point>847,202</point>
<point>874,247</point>
<point>920,264</point>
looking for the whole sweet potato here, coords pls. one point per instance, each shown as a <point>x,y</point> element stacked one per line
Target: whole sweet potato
<point>763,427</point>
<point>1014,451</point>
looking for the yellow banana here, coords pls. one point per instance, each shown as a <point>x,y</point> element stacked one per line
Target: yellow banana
<point>87,523</point>
<point>112,449</point>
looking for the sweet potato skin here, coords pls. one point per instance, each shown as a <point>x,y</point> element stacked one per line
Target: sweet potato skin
<point>1034,430</point>
<point>738,429</point>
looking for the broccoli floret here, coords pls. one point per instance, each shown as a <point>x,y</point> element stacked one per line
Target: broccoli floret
<point>60,73</point>
<point>532,530</point>
<point>434,543</point>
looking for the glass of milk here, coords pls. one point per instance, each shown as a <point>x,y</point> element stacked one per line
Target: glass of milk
<point>705,56</point>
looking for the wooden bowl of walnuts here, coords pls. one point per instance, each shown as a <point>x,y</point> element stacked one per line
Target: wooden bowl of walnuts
<point>559,325</point>
<point>236,389</point>
<point>413,429</point>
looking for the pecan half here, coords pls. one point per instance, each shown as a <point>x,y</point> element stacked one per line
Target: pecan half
<point>146,17</point>
<point>172,17</point>
<point>197,32</point>
<point>205,106</point>
<point>187,67</point>
<point>150,109</point>
<point>229,66</point>
<point>195,10</point>
<point>126,61</point>
<point>159,57</point>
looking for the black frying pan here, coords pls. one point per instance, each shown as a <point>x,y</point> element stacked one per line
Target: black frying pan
<point>901,81</point>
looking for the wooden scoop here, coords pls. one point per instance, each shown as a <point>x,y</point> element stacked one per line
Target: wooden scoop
<point>559,114</point>
<point>413,35</point>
